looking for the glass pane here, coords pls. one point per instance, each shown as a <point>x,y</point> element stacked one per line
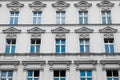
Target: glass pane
<point>38,48</point>
<point>36,78</point>
<point>11,20</point>
<point>36,73</point>
<point>32,49</point>
<point>10,79</point>
<point>29,78</point>
<point>109,78</point>
<point>109,20</point>
<point>30,73</point>
<point>89,73</point>
<point>56,78</point>
<point>112,48</point>
<point>10,74</point>
<point>63,41</point>
<point>63,49</point>
<point>115,73</point>
<point>116,78</point>
<point>57,20</point>
<point>3,78</point>
<point>13,49</point>
<point>82,78</point>
<point>85,20</point>
<point>89,78</point>
<point>63,21</point>
<point>7,49</point>
<point>87,48</point>
<point>16,20</point>
<point>57,41</point>
<point>103,20</point>
<point>82,73</point>
<point>13,41</point>
<point>81,41</point>
<point>80,20</point>
<point>39,21</point>
<point>57,49</point>
<point>56,73</point>
<point>62,74</point>
<point>62,78</point>
<point>81,48</point>
<point>106,48</point>
<point>4,73</point>
<point>34,20</point>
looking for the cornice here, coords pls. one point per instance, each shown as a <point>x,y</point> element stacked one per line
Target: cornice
<point>110,62</point>
<point>9,63</point>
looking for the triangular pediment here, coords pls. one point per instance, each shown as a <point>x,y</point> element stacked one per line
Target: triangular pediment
<point>15,4</point>
<point>36,30</point>
<point>37,4</point>
<point>105,3</point>
<point>60,30</point>
<point>83,4</point>
<point>84,30</point>
<point>108,30</point>
<point>61,4</point>
<point>11,30</point>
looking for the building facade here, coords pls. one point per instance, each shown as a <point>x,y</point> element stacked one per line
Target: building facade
<point>59,40</point>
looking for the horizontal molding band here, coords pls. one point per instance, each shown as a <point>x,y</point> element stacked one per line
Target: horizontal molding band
<point>62,68</point>
<point>85,68</point>
<point>8,68</point>
<point>33,68</point>
<point>110,68</point>
<point>58,0</point>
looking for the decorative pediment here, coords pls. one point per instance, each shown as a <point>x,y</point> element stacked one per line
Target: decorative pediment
<point>60,30</point>
<point>36,30</point>
<point>11,30</point>
<point>105,4</point>
<point>84,30</point>
<point>83,5</point>
<point>108,30</point>
<point>14,5</point>
<point>37,5</point>
<point>61,5</point>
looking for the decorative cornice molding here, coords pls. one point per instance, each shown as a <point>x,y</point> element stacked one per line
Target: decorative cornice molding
<point>25,63</point>
<point>110,62</point>
<point>65,62</point>
<point>9,63</point>
<point>62,68</point>
<point>82,5</point>
<point>108,30</point>
<point>84,30</point>
<point>60,30</point>
<point>14,4</point>
<point>61,5</point>
<point>11,30</point>
<point>77,62</point>
<point>36,30</point>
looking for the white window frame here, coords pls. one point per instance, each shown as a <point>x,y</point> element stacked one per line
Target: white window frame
<point>106,16</point>
<point>38,17</point>
<point>83,16</point>
<point>60,17</point>
<point>14,17</point>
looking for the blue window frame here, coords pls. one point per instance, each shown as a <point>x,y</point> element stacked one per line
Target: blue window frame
<point>33,75</point>
<point>106,17</point>
<point>37,17</point>
<point>59,75</point>
<point>109,45</point>
<point>83,17</point>
<point>60,17</point>
<point>60,45</point>
<point>10,46</point>
<point>85,75</point>
<point>14,17</point>
<point>112,74</point>
<point>84,45</point>
<point>6,75</point>
<point>35,45</point>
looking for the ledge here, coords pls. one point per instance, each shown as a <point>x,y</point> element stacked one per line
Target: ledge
<point>25,63</point>
<point>65,62</point>
<point>77,62</point>
<point>85,68</point>
<point>110,62</point>
<point>62,68</point>
<point>9,63</point>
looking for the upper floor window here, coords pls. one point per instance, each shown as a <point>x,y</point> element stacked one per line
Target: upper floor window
<point>35,45</point>
<point>6,75</point>
<point>60,45</point>
<point>85,75</point>
<point>10,46</point>
<point>112,75</point>
<point>14,17</point>
<point>59,75</point>
<point>84,45</point>
<point>60,17</point>
<point>33,75</point>
<point>106,17</point>
<point>109,45</point>
<point>83,17</point>
<point>37,17</point>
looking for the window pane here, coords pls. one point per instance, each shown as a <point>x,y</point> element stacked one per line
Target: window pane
<point>81,48</point>
<point>30,73</point>
<point>4,73</point>
<point>16,20</point>
<point>10,74</point>
<point>36,78</point>
<point>82,73</point>
<point>57,41</point>
<point>116,78</point>
<point>103,20</point>
<point>32,49</point>
<point>89,78</point>
<point>56,78</point>
<point>109,73</point>
<point>62,78</point>
<point>29,78</point>
<point>38,48</point>
<point>82,78</point>
<point>62,74</point>
<point>109,78</point>
<point>36,73</point>
<point>80,20</point>
<point>63,49</point>
<point>13,49</point>
<point>106,48</point>
<point>81,41</point>
<point>11,20</point>
<point>115,73</point>
<point>57,48</point>
<point>112,48</point>
<point>56,73</point>
<point>109,20</point>
<point>63,41</point>
<point>89,73</point>
<point>7,49</point>
<point>85,20</point>
<point>87,48</point>
<point>3,78</point>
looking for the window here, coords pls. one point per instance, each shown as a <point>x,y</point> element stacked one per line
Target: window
<point>86,75</point>
<point>112,75</point>
<point>37,17</point>
<point>33,75</point>
<point>35,45</point>
<point>106,17</point>
<point>84,45</point>
<point>59,75</point>
<point>109,45</point>
<point>60,17</point>
<point>60,45</point>
<point>83,17</point>
<point>10,46</point>
<point>14,17</point>
<point>6,75</point>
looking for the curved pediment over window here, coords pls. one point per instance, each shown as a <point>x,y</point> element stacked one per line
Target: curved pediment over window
<point>108,30</point>
<point>105,4</point>
<point>61,5</point>
<point>36,30</point>
<point>14,5</point>
<point>83,5</point>
<point>84,30</point>
<point>37,5</point>
<point>11,30</point>
<point>60,30</point>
